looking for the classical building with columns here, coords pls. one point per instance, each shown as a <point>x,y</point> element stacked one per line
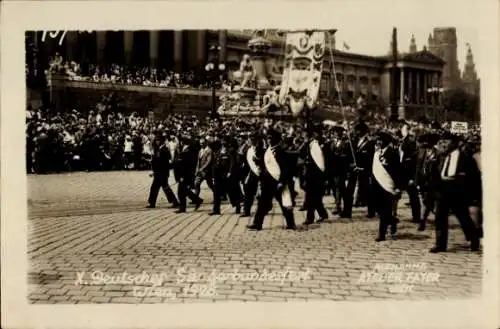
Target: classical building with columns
<point>358,75</point>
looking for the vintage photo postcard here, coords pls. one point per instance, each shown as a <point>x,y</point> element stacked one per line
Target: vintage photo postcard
<point>262,164</point>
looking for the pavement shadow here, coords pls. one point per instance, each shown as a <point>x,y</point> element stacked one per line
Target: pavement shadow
<point>412,236</point>
<point>43,278</point>
<point>461,248</point>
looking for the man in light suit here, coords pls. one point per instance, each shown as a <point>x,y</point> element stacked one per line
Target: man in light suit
<point>275,174</point>
<point>386,183</point>
<point>458,186</point>
<point>203,167</point>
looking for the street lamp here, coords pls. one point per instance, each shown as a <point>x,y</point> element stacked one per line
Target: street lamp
<point>215,69</point>
<point>436,93</point>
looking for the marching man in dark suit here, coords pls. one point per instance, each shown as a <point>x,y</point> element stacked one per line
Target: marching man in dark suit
<point>458,186</point>
<point>408,158</point>
<point>254,158</point>
<point>160,164</point>
<point>314,179</point>
<point>185,166</point>
<point>426,162</point>
<point>275,173</point>
<point>386,184</point>
<point>364,146</point>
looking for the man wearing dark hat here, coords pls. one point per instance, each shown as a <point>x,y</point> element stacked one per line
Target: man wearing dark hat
<point>203,166</point>
<point>458,186</point>
<point>160,164</point>
<point>275,173</point>
<point>185,166</point>
<point>364,147</point>
<point>314,178</point>
<point>408,158</point>
<point>426,162</point>
<point>340,154</point>
<point>254,158</point>
<point>386,183</point>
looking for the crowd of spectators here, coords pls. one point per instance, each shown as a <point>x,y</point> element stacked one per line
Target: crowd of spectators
<point>104,139</point>
<point>118,74</point>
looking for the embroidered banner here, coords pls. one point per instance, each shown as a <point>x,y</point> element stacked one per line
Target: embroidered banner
<point>304,54</point>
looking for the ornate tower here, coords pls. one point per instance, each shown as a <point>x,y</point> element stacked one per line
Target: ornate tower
<point>469,77</point>
<point>413,45</point>
<point>444,45</point>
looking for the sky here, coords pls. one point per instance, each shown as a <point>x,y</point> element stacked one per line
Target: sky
<point>378,41</point>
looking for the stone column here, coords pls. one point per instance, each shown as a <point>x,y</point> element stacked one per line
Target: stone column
<point>418,87</point>
<point>153,47</point>
<point>370,87</point>
<point>401,109</point>
<point>128,46</point>
<point>410,86</point>
<point>71,42</point>
<point>178,51</point>
<point>426,86</point>
<point>100,47</point>
<point>357,87</point>
<point>201,44</point>
<point>402,87</point>
<point>223,45</point>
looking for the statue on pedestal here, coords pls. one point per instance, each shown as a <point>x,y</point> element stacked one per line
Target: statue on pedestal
<point>246,74</point>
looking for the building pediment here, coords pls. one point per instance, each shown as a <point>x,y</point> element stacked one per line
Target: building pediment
<point>423,56</point>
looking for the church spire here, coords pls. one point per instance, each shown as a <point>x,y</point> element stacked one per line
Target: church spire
<point>413,45</point>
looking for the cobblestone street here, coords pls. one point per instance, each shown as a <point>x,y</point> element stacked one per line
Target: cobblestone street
<point>89,234</point>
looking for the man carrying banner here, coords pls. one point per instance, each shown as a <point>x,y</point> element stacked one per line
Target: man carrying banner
<point>274,175</point>
<point>386,184</point>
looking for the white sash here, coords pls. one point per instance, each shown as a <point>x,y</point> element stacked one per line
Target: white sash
<point>286,197</point>
<point>317,154</point>
<point>452,158</point>
<point>272,165</point>
<point>251,163</point>
<point>381,175</point>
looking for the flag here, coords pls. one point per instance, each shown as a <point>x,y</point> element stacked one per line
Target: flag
<point>346,46</point>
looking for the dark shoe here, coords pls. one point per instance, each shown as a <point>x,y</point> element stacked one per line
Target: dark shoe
<point>180,211</point>
<point>435,250</point>
<point>290,228</point>
<point>379,239</point>
<point>198,204</point>
<point>321,220</point>
<point>475,245</point>
<point>336,212</point>
<point>238,210</point>
<point>254,228</point>
<point>214,213</point>
<point>244,215</point>
<point>370,216</point>
<point>345,216</point>
<point>421,227</point>
<point>150,206</point>
<point>394,236</point>
<point>308,222</point>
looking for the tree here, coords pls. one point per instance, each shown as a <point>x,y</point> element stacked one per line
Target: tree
<point>460,102</point>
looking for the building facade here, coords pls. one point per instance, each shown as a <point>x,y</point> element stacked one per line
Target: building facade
<point>443,43</point>
<point>352,75</point>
